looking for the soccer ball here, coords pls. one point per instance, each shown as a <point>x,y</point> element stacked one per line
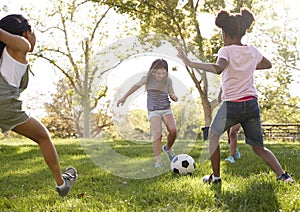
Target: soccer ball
<point>183,164</point>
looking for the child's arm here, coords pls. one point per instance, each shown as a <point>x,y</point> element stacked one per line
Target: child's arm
<point>173,97</point>
<point>15,43</point>
<point>264,64</point>
<point>171,93</point>
<point>129,92</point>
<point>217,68</point>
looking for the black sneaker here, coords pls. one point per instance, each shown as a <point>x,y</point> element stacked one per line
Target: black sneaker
<point>285,178</point>
<point>209,179</point>
<point>70,176</point>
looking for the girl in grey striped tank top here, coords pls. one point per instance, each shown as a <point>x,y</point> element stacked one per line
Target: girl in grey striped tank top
<point>159,89</point>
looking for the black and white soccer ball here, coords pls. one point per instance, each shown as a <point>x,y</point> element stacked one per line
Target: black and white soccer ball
<point>183,164</point>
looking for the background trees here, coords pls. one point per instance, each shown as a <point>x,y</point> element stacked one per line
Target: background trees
<point>72,42</point>
<point>278,31</point>
<point>72,32</point>
<point>181,20</point>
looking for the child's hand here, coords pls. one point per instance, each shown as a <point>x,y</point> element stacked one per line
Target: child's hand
<point>182,56</point>
<point>173,97</point>
<point>121,102</point>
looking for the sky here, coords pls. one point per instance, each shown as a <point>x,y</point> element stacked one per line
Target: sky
<point>44,78</point>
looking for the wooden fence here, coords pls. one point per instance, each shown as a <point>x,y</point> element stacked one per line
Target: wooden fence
<point>286,131</point>
<point>289,131</point>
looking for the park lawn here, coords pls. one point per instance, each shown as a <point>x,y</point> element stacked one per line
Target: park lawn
<point>26,184</point>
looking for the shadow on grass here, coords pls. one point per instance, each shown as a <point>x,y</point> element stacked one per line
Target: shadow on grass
<point>250,184</point>
<point>127,159</point>
<point>254,196</point>
<point>247,186</point>
<point>250,163</point>
<point>23,169</point>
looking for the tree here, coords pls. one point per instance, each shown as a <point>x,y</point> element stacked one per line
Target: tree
<point>61,119</point>
<point>277,103</point>
<point>72,42</point>
<point>64,117</point>
<point>179,19</point>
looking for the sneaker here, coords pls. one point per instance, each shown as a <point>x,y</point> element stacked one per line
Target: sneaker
<point>209,179</point>
<point>285,178</point>
<point>70,176</point>
<point>230,159</point>
<point>237,154</point>
<point>158,164</point>
<point>170,153</point>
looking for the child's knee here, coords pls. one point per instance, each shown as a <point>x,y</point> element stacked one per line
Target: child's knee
<point>258,149</point>
<point>156,136</point>
<point>172,131</point>
<point>213,136</point>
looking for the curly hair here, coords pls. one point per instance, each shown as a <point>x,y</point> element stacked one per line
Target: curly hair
<point>235,25</point>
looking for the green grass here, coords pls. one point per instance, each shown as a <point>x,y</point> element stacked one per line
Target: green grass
<point>26,184</point>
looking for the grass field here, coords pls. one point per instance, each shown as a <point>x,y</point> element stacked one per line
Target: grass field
<point>26,184</point>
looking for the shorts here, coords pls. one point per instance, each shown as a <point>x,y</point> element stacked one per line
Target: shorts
<point>159,113</point>
<point>11,114</point>
<point>246,113</point>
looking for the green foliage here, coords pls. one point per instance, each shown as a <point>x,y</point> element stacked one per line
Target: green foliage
<point>187,122</point>
<point>64,113</point>
<point>277,103</point>
<point>179,19</point>
<point>212,46</point>
<point>60,120</point>
<point>210,6</point>
<point>72,52</point>
<point>139,120</point>
<point>248,185</point>
<point>242,3</point>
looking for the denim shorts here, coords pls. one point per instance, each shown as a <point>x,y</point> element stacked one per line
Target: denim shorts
<point>247,113</point>
<point>159,113</point>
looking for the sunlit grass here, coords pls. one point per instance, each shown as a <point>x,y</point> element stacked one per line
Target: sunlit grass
<point>26,184</point>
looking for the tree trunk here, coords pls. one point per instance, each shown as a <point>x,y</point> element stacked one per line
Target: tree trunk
<point>86,118</point>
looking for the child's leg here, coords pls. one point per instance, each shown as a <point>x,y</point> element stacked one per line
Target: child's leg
<point>215,154</point>
<point>35,130</point>
<point>233,138</point>
<point>254,137</point>
<point>171,127</point>
<point>269,158</point>
<point>216,129</point>
<point>156,129</point>
<point>228,135</point>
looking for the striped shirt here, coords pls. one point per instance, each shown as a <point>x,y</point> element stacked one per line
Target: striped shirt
<point>157,93</point>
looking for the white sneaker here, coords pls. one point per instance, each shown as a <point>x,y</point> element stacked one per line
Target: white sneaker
<point>230,159</point>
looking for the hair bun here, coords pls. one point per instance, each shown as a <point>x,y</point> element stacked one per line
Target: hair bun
<point>247,14</point>
<point>246,19</point>
<point>222,18</point>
